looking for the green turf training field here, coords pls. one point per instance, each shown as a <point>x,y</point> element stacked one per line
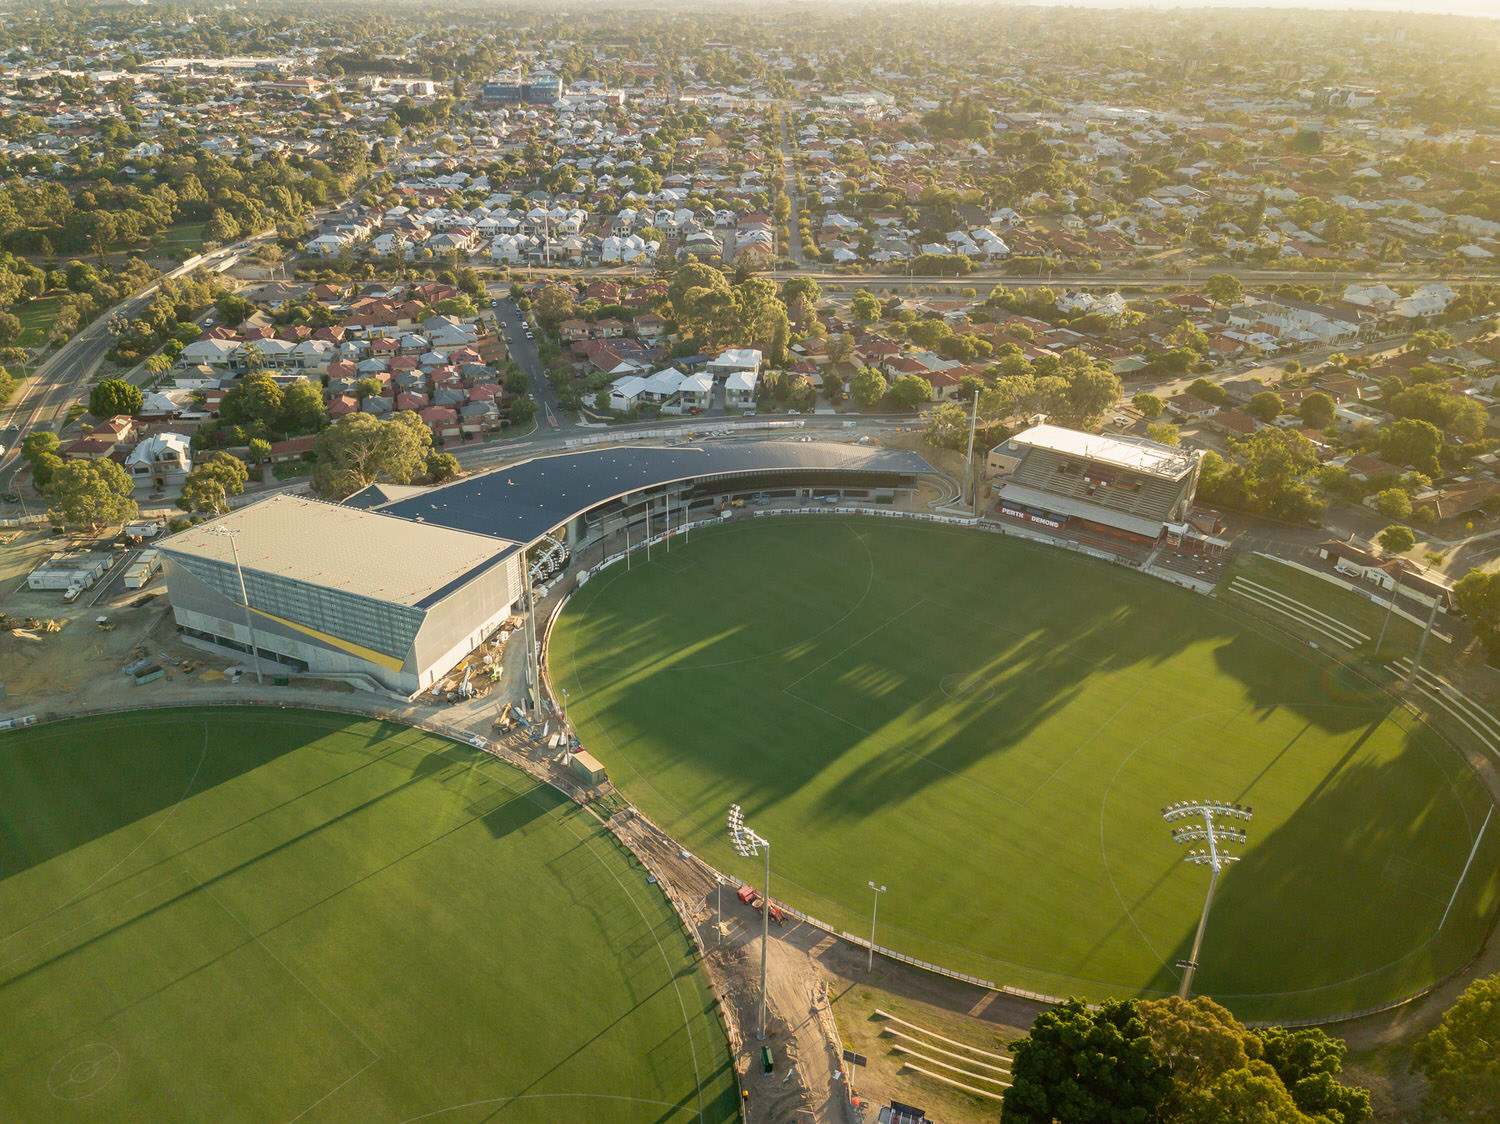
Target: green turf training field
<point>278,915</point>
<point>990,728</point>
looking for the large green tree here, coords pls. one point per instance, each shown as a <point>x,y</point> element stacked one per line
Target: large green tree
<point>358,449</point>
<point>1461,1055</point>
<point>867,387</point>
<point>113,397</point>
<point>255,402</point>
<point>1086,1067</point>
<point>91,494</point>
<point>211,482</point>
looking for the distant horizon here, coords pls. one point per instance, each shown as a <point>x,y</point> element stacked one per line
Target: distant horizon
<point>1482,9</point>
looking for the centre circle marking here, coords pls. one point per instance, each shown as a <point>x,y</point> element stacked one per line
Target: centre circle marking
<point>967,688</point>
<point>84,1071</point>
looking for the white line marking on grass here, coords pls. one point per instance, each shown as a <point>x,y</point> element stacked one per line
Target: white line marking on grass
<point>869,584</point>
<point>589,841</point>
<point>856,643</point>
<point>904,752</point>
<point>161,823</point>
<point>1079,747</point>
<point>255,939</point>
<point>541,1097</point>
<point>357,1073</point>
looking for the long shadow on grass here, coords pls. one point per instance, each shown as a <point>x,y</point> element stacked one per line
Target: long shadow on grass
<point>514,811</point>
<point>67,785</point>
<point>930,737</point>
<point>1350,888</point>
<point>931,678</point>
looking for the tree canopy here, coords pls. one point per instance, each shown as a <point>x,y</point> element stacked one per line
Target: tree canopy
<point>358,449</point>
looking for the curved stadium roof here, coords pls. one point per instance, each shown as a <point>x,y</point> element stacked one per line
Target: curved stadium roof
<point>521,502</point>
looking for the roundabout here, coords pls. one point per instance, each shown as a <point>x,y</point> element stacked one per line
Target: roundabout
<point>991,727</point>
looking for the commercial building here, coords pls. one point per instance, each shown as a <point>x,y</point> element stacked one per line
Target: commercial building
<point>393,587</point>
<point>1124,487</point>
<point>341,592</point>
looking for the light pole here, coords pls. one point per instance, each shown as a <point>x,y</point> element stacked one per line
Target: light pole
<point>244,597</point>
<point>1215,833</point>
<point>874,909</point>
<point>748,844</point>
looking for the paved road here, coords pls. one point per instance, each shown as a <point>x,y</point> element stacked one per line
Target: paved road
<point>550,416</point>
<point>64,378</point>
<point>789,175</point>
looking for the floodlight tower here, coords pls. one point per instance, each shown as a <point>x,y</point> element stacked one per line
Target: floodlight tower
<point>230,534</point>
<point>1216,834</point>
<point>748,844</point>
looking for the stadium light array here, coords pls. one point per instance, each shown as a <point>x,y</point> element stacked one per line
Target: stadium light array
<point>1209,827</point>
<point>748,844</point>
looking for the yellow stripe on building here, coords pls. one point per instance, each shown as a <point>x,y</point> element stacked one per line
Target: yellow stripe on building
<point>391,663</point>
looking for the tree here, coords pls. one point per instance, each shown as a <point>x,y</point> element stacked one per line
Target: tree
<point>1084,1066</point>
<point>1265,406</point>
<point>358,449</point>
<point>1428,340</point>
<point>1309,1062</point>
<point>1435,403</point>
<point>40,450</point>
<point>1149,405</point>
<point>1459,1055</point>
<point>1412,442</point>
<point>553,305</point>
<point>10,328</point>
<point>302,409</point>
<point>256,401</point>
<point>91,494</point>
<point>948,426</point>
<point>208,487</point>
<point>221,227</point>
<point>865,307</point>
<point>1396,539</point>
<point>1393,503</point>
<point>113,397</point>
<point>839,349</point>
<point>441,467</point>
<point>1316,410</point>
<point>1163,433</point>
<point>867,387</point>
<point>1223,288</point>
<point>910,391</point>
<point>260,450</point>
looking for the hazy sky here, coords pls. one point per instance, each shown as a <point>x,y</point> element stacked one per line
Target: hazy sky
<point>1487,8</point>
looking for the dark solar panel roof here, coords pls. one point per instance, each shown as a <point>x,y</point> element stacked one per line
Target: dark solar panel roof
<point>524,501</point>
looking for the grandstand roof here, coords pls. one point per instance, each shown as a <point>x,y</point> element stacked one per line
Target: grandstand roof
<point>522,502</point>
<point>327,544</point>
<point>1134,453</point>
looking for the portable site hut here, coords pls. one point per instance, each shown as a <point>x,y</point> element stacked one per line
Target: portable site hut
<point>587,768</point>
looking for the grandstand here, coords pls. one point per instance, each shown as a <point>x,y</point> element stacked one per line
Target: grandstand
<point>393,587</point>
<point>1123,487</point>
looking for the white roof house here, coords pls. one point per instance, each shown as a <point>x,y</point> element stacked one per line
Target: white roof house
<point>735,360</point>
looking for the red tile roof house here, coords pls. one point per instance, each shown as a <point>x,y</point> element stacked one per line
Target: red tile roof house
<point>442,421</point>
<point>89,448</point>
<point>343,404</point>
<point>570,331</point>
<point>343,369</point>
<point>384,345</point>
<point>293,448</point>
<point>411,400</point>
<point>1236,423</point>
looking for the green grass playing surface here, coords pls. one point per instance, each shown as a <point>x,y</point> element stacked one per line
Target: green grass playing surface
<point>277,915</point>
<point>990,728</point>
